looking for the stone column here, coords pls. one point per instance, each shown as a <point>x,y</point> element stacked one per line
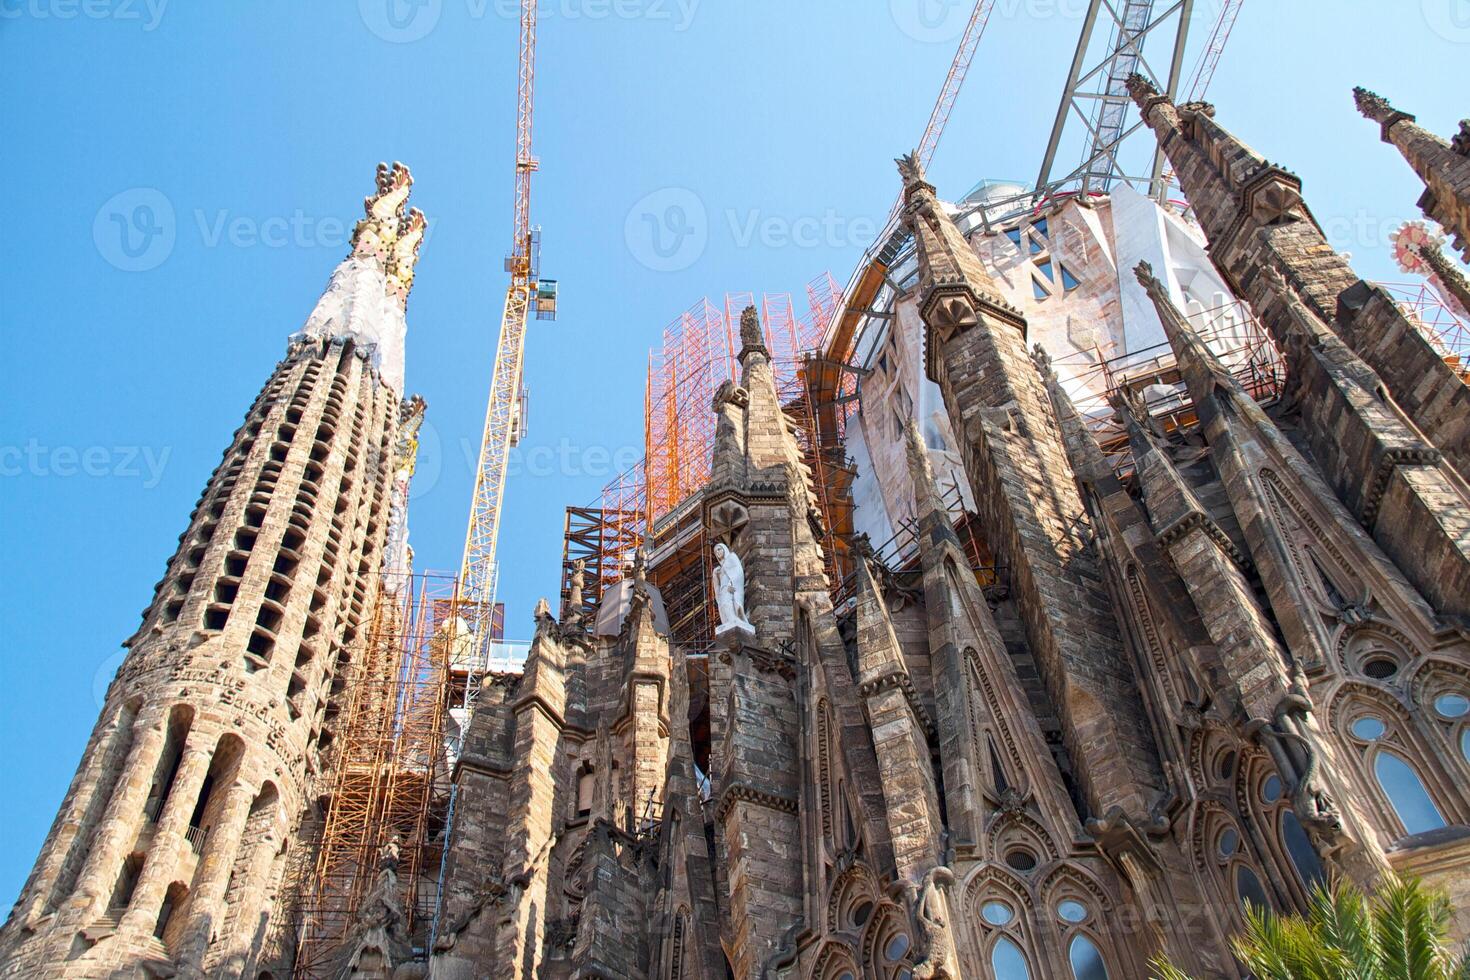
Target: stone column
<point>162,861</point>
<point>52,864</point>
<point>234,948</point>
<point>206,908</point>
<point>124,817</point>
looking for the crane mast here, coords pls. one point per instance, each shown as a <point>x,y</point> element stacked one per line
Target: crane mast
<point>504,410</point>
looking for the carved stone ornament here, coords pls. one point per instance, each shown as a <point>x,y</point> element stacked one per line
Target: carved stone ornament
<point>939,959</point>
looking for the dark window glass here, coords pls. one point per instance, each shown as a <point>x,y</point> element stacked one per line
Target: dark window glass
<point>1303,854</point>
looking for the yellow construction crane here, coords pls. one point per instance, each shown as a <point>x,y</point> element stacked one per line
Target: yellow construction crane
<point>505,412</point>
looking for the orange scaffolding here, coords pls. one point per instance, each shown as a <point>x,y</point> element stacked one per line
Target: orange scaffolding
<point>388,780</point>
<point>697,354</point>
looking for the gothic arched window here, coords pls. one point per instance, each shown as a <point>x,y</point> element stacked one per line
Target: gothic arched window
<point>1008,962</point>
<point>1083,954</point>
<point>1385,749</point>
<point>1277,819</point>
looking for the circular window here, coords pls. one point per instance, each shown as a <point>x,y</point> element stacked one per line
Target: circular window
<point>996,913</point>
<point>1271,789</point>
<point>1225,765</point>
<point>1021,860</point>
<point>896,947</point>
<point>1368,728</point>
<point>1381,668</point>
<point>861,913</point>
<point>1071,911</point>
<point>1229,842</point>
<point>1452,705</point>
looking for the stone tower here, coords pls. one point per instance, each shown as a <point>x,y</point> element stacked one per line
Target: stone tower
<point>168,853</point>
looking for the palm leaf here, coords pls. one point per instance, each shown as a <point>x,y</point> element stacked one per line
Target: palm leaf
<point>1344,922</point>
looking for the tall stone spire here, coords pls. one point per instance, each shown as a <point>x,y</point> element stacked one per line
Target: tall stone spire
<point>955,290</point>
<point>1030,507</point>
<point>215,725</point>
<point>1443,165</point>
<point>1254,217</point>
<point>901,731</point>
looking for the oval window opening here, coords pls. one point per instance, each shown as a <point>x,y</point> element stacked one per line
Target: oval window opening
<point>1368,728</point>
<point>1452,705</point>
<point>996,913</point>
<point>1071,911</point>
<point>1021,860</point>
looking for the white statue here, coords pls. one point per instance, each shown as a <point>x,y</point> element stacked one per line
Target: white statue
<point>730,591</point>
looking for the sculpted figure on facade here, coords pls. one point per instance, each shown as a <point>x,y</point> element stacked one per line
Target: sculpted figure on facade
<point>730,591</point>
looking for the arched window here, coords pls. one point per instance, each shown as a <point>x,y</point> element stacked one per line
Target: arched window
<point>1248,888</point>
<point>1291,840</point>
<point>1384,747</point>
<point>1401,784</point>
<point>1083,955</point>
<point>1299,848</point>
<point>1008,962</point>
<point>1087,962</point>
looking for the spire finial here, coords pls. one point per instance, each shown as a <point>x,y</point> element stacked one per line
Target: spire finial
<point>752,337</point>
<point>389,233</point>
<point>910,169</point>
<point>1371,104</point>
<point>1140,89</point>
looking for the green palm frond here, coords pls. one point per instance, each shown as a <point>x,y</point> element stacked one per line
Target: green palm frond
<point>1401,934</point>
<point>1162,969</point>
<point>1289,948</point>
<point>1344,922</point>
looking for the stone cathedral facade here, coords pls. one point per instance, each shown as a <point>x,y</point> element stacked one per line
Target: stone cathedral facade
<point>1218,665</point>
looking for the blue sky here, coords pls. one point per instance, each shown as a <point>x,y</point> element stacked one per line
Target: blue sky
<point>251,130</point>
